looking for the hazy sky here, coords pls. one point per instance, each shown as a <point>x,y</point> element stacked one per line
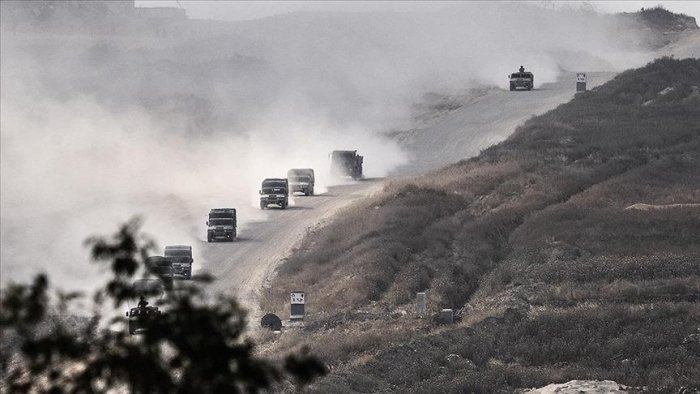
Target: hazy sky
<point>245,10</point>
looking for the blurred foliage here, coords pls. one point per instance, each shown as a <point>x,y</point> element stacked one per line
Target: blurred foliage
<point>196,345</point>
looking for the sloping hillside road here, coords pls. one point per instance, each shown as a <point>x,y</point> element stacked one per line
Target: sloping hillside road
<point>484,117</point>
<point>244,267</point>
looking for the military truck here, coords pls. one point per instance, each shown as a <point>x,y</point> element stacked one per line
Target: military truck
<point>346,163</point>
<point>521,80</point>
<point>301,180</point>
<point>181,256</point>
<point>162,268</point>
<point>274,191</point>
<point>221,224</point>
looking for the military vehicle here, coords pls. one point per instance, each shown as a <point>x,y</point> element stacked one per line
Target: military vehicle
<point>301,180</point>
<point>141,317</point>
<point>274,191</point>
<point>346,163</point>
<point>162,268</point>
<point>221,224</point>
<point>522,80</point>
<point>181,256</point>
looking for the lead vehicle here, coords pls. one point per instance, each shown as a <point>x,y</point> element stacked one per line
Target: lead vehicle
<point>521,80</point>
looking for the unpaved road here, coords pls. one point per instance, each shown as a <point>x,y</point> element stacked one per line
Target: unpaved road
<point>242,267</point>
<point>484,117</point>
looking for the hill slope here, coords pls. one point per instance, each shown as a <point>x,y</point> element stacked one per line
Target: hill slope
<point>532,238</point>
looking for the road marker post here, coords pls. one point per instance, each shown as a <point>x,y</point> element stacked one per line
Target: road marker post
<point>298,300</point>
<point>580,82</point>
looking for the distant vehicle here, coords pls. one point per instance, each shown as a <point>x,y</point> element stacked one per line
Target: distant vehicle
<point>141,317</point>
<point>346,163</point>
<point>181,256</point>
<point>162,268</point>
<point>221,224</point>
<point>274,191</point>
<point>522,80</point>
<point>301,180</point>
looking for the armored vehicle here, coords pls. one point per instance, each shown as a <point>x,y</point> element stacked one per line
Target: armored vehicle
<point>181,256</point>
<point>346,163</point>
<point>274,191</point>
<point>522,80</point>
<point>141,317</point>
<point>301,180</point>
<point>162,268</point>
<point>221,224</point>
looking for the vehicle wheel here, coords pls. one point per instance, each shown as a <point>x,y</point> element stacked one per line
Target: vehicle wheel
<point>131,331</point>
<point>284,205</point>
<point>263,205</point>
<point>312,191</point>
<point>306,193</point>
<point>208,238</point>
<point>512,88</point>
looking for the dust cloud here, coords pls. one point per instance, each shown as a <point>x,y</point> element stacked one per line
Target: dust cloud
<point>167,120</point>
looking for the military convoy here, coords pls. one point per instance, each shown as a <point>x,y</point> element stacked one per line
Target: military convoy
<point>221,224</point>
<point>521,80</point>
<point>176,262</point>
<point>346,163</point>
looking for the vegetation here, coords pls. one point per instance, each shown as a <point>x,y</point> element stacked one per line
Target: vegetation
<point>533,240</point>
<point>195,346</point>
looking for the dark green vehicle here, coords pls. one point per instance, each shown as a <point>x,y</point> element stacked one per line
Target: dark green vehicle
<point>346,163</point>
<point>522,80</point>
<point>141,317</point>
<point>274,191</point>
<point>221,224</point>
<point>162,268</point>
<point>181,256</point>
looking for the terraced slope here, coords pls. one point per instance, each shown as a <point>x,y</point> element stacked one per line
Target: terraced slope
<point>532,241</point>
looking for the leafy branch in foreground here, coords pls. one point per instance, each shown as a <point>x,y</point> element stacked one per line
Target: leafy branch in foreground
<point>195,346</point>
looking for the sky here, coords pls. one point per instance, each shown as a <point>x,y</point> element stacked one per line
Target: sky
<point>247,10</point>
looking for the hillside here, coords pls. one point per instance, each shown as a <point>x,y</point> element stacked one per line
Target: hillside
<point>538,242</point>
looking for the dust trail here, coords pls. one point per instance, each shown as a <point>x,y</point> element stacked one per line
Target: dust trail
<point>171,118</point>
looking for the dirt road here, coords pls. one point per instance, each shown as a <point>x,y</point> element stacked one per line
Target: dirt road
<point>482,117</point>
<point>243,267</point>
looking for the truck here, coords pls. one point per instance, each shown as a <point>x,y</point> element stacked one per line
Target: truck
<point>162,268</point>
<point>181,256</point>
<point>346,163</point>
<point>221,224</point>
<point>274,191</point>
<point>521,80</point>
<point>301,180</point>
